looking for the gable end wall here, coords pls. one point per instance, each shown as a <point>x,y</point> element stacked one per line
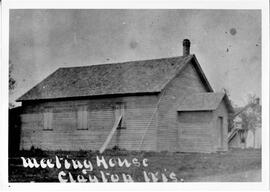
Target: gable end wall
<point>185,83</point>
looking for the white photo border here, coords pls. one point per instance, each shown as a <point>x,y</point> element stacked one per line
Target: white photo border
<point>262,5</point>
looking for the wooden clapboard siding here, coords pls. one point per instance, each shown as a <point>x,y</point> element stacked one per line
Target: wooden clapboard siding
<point>101,116</point>
<point>185,83</point>
<point>136,122</point>
<point>220,112</point>
<point>195,131</point>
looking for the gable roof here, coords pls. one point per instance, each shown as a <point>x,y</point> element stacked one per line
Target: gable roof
<point>207,101</point>
<point>147,76</point>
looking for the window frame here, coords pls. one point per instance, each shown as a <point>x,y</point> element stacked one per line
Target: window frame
<point>119,109</point>
<point>48,119</point>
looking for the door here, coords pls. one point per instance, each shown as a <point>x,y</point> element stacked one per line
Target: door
<point>220,130</point>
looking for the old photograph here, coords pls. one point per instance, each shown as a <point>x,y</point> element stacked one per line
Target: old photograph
<point>135,95</point>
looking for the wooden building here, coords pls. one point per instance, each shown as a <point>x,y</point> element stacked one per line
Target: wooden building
<point>161,105</point>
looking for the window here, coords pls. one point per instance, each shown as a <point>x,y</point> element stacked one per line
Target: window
<point>82,119</point>
<point>120,110</point>
<point>47,118</point>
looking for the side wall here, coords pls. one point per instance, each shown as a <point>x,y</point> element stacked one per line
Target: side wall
<point>184,84</point>
<point>101,116</point>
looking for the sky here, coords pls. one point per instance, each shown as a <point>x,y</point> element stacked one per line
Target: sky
<point>227,43</point>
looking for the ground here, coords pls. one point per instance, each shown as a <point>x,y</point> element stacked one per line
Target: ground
<point>234,166</point>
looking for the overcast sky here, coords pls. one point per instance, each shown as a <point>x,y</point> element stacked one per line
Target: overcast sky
<point>227,43</point>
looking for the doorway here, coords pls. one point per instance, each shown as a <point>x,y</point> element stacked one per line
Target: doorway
<point>220,129</point>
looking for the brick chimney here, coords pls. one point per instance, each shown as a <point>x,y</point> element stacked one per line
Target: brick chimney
<point>186,47</point>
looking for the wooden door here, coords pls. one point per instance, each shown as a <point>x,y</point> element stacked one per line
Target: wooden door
<point>220,130</point>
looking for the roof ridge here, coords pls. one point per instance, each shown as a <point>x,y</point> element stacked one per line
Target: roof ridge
<point>124,62</point>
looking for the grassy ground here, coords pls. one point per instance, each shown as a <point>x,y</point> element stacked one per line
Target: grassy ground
<point>234,165</point>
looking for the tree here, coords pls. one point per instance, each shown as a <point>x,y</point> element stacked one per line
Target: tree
<point>11,82</point>
<point>251,117</point>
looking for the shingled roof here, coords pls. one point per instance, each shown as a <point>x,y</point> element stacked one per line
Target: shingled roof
<point>147,76</point>
<point>208,101</point>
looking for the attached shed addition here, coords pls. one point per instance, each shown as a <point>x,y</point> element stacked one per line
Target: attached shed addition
<point>203,122</point>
